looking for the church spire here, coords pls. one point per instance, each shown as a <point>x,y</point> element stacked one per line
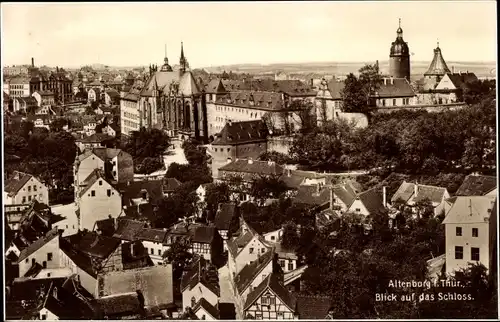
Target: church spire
<point>400,30</point>
<point>166,58</point>
<point>183,61</point>
<point>166,67</point>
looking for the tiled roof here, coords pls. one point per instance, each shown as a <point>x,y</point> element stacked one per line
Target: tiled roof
<point>438,65</point>
<point>135,255</point>
<point>251,271</point>
<point>313,307</point>
<point>153,235</point>
<point>272,283</point>
<point>204,234</point>
<point>372,200</point>
<point>66,305</point>
<point>242,132</point>
<point>170,184</point>
<point>461,79</point>
<point>141,211</point>
<point>119,304</point>
<point>45,93</point>
<point>209,308</point>
<point>335,88</point>
<point>54,233</point>
<point>135,189</point>
<point>469,210</point>
<point>345,193</point>
<point>314,195</point>
<point>106,226</point>
<point>93,244</point>
<point>107,153</point>
<point>128,229</point>
<point>81,260</point>
<point>395,87</point>
<point>154,282</point>
<point>477,185</point>
<point>197,273</point>
<point>257,100</point>
<point>96,138</point>
<point>254,167</point>
<point>289,87</point>
<point>224,216</point>
<point>16,182</point>
<point>434,194</point>
<point>215,86</point>
<point>188,86</point>
<point>404,192</point>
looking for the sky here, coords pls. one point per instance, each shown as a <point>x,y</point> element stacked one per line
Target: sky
<point>224,33</point>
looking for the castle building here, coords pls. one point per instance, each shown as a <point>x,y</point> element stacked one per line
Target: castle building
<point>438,67</point>
<point>169,100</point>
<point>399,58</point>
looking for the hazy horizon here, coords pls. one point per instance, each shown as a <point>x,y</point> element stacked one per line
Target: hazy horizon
<point>219,34</point>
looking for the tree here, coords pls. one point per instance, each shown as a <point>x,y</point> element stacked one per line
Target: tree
<point>90,109</point>
<point>264,187</point>
<point>216,194</point>
<point>58,124</point>
<point>279,158</point>
<point>353,96</point>
<point>147,143</point>
<point>150,165</point>
<point>290,236</point>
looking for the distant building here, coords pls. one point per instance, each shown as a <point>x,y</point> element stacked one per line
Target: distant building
<point>468,230</point>
<point>478,185</point>
<point>44,98</point>
<point>411,194</point>
<point>394,92</point>
<point>200,281</point>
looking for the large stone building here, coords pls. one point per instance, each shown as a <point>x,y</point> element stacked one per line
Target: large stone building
<point>399,61</point>
<point>169,100</point>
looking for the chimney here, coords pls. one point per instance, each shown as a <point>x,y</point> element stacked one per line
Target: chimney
<point>32,62</point>
<point>415,189</point>
<point>384,196</point>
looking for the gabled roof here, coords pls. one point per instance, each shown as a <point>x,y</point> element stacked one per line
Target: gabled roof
<point>251,271</point>
<point>345,192</point>
<point>314,195</point>
<point>135,189</point>
<point>80,259</point>
<point>128,229</point>
<point>313,307</point>
<point>406,192</point>
<point>395,87</point>
<point>254,167</point>
<point>187,85</point>
<point>170,184</point>
<point>469,210</point>
<point>224,215</point>
<point>198,273</point>
<point>235,133</point>
<point>259,100</point>
<point>151,234</point>
<point>215,86</point>
<point>155,283</point>
<point>54,233</point>
<point>372,200</point>
<point>477,185</point>
<point>204,234</point>
<point>335,88</point>
<point>209,308</point>
<point>91,180</point>
<point>113,93</point>
<point>460,80</point>
<point>93,244</point>
<point>16,182</point>
<point>273,284</point>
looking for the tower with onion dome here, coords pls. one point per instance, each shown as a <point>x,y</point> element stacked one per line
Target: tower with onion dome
<point>399,58</point>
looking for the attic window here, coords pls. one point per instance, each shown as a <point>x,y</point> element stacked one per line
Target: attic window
<point>100,182</point>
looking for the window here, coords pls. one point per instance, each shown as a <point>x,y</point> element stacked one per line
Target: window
<point>34,188</point>
<point>251,250</point>
<point>29,198</point>
<point>152,251</point>
<point>100,182</point>
<point>280,315</point>
<point>475,232</point>
<point>263,250</point>
<point>26,261</point>
<point>29,188</point>
<point>92,193</point>
<point>290,266</point>
<point>44,317</point>
<point>282,263</point>
<point>383,102</point>
<point>49,257</point>
<point>459,252</point>
<point>358,209</point>
<point>264,300</point>
<point>474,253</point>
<point>109,192</point>
<point>272,300</point>
<point>159,252</point>
<point>24,199</point>
<point>193,301</point>
<point>272,237</point>
<point>458,231</point>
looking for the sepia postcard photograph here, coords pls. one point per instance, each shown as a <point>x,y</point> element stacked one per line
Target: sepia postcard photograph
<point>255,160</point>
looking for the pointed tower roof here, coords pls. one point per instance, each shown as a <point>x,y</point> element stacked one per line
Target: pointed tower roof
<point>438,66</point>
<point>399,47</point>
<point>183,61</point>
<point>166,67</point>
